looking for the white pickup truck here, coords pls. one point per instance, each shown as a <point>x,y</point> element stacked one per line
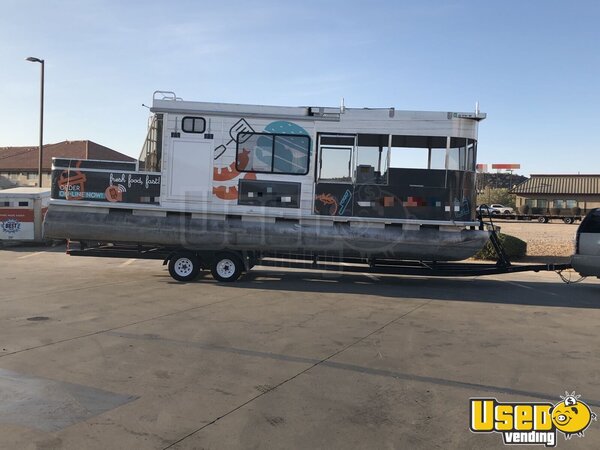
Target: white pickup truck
<point>496,208</point>
<point>586,259</point>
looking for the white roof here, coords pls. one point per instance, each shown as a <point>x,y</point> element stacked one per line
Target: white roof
<point>307,112</point>
<point>35,192</point>
<point>337,120</point>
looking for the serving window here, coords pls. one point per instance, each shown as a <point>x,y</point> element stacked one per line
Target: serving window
<point>335,164</point>
<point>273,153</point>
<point>418,152</point>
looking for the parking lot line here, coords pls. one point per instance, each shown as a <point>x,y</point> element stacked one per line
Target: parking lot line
<point>31,254</point>
<point>126,263</point>
<point>514,283</point>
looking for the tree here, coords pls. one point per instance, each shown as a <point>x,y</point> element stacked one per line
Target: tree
<point>502,196</point>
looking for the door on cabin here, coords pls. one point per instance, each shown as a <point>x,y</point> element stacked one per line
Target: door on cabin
<point>190,174</point>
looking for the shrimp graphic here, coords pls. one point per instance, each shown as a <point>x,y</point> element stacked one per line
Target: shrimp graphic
<point>327,201</point>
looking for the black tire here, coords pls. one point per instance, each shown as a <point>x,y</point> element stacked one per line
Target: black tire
<point>226,267</point>
<point>507,212</point>
<point>568,220</point>
<point>184,266</point>
<point>495,213</point>
<point>543,219</point>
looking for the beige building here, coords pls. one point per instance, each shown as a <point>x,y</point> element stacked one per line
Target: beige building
<point>558,194</point>
<point>19,165</point>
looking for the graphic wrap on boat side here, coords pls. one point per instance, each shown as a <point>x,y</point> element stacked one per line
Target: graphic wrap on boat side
<point>226,176</point>
<point>410,194</point>
<point>74,182</point>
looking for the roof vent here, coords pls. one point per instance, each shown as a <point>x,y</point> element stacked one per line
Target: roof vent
<point>325,113</point>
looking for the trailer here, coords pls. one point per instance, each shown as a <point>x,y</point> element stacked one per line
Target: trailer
<point>226,186</point>
<point>22,210</point>
<point>185,265</point>
<point>541,218</point>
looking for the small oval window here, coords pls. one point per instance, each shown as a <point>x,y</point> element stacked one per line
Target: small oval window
<point>193,125</point>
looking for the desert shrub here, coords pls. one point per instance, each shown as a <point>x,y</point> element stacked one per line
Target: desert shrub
<point>514,247</point>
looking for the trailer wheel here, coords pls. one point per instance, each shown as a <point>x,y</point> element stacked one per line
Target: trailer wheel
<point>543,219</point>
<point>226,267</point>
<point>184,266</point>
<point>568,220</point>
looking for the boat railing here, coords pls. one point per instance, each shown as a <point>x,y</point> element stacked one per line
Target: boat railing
<point>165,95</point>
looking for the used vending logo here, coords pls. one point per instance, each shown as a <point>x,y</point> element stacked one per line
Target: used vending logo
<point>527,423</point>
<point>11,226</point>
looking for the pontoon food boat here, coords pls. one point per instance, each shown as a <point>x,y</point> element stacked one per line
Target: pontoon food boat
<point>248,180</point>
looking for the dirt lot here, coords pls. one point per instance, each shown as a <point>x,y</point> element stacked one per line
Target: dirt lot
<point>544,240</point>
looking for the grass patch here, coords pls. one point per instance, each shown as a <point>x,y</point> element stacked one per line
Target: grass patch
<point>514,247</point>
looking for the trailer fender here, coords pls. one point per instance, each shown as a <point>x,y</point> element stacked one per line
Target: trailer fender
<point>168,258</point>
<point>247,261</point>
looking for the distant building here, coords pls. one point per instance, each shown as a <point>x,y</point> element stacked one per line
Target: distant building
<point>19,165</point>
<point>542,193</point>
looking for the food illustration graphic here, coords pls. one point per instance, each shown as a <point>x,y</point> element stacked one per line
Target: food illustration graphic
<point>231,192</point>
<point>230,172</point>
<point>226,174</point>
<point>72,184</point>
<point>114,193</point>
<point>327,201</point>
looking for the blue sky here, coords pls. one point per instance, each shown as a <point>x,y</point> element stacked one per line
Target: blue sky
<point>534,66</point>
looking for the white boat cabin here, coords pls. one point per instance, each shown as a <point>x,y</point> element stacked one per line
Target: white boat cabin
<point>297,162</point>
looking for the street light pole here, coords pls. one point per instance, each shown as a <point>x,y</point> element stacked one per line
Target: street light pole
<point>41,61</point>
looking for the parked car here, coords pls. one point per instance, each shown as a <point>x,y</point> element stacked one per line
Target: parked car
<point>586,259</point>
<point>496,208</point>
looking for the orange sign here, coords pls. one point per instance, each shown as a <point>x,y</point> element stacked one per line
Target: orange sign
<point>506,166</point>
<point>22,215</point>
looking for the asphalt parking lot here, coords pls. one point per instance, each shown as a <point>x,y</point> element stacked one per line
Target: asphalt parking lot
<point>112,353</point>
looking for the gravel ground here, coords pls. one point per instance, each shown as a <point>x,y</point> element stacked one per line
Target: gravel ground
<point>543,239</point>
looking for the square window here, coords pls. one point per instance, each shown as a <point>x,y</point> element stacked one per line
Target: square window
<point>193,125</point>
<point>291,154</point>
<point>255,152</point>
<point>272,153</point>
<point>335,164</point>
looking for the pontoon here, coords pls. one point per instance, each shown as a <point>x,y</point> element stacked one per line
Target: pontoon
<point>248,180</point>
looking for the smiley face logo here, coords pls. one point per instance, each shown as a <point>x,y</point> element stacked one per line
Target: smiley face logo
<point>572,416</point>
